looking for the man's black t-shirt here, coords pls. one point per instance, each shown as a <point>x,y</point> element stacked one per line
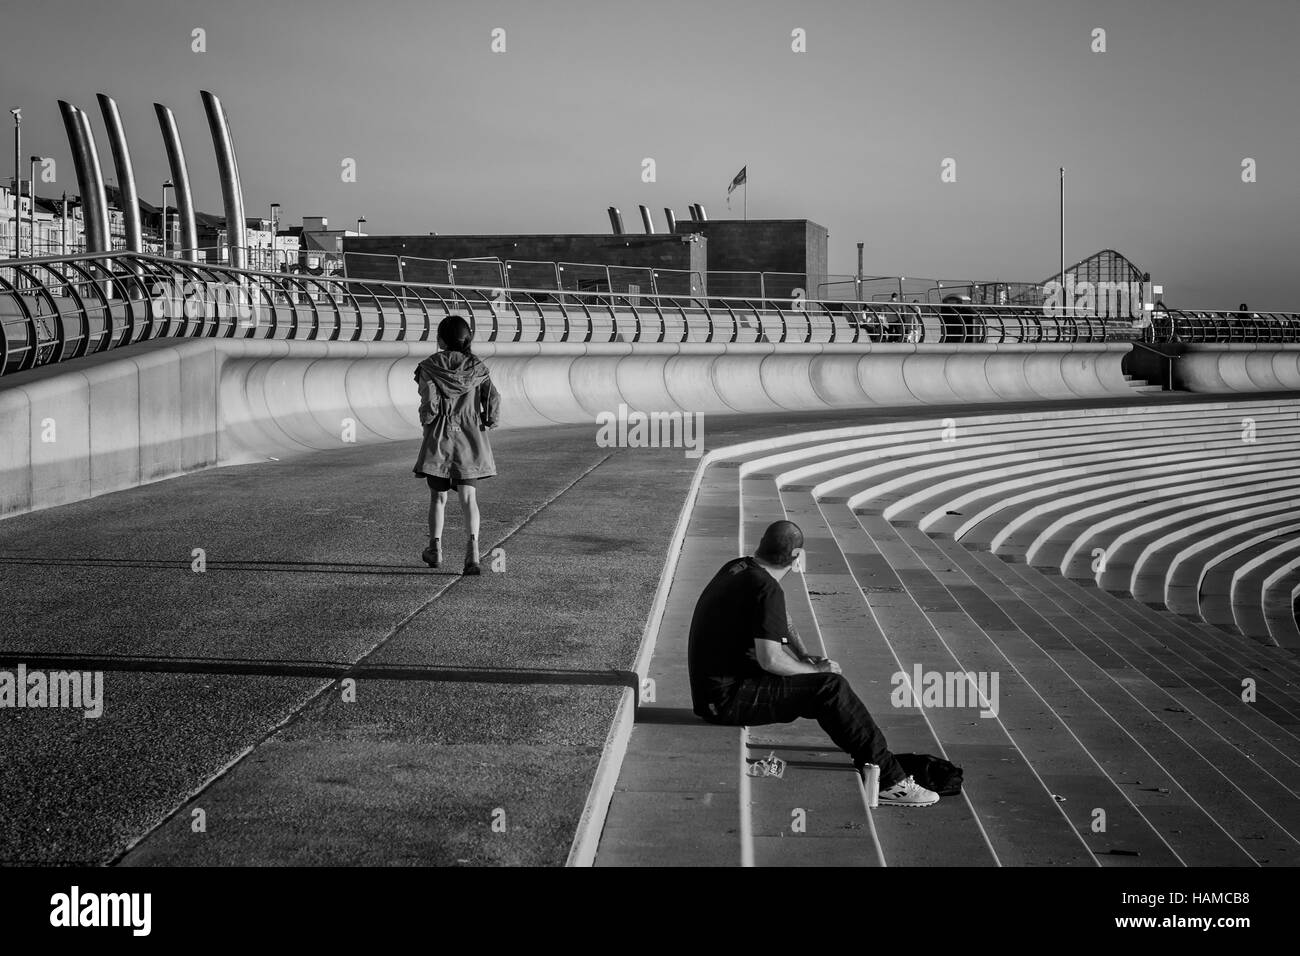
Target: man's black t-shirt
<point>742,604</point>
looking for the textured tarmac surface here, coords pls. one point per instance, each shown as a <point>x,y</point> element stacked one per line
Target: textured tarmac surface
<point>316,559</point>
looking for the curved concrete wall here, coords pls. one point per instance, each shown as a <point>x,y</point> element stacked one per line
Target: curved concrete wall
<point>1239,368</point>
<point>172,406</point>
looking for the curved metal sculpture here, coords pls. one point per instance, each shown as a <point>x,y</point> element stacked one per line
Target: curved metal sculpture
<point>90,177</point>
<point>228,168</point>
<point>189,238</point>
<point>125,173</point>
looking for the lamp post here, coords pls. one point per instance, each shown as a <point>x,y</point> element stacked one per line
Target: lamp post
<point>275,206</point>
<point>1061,248</point>
<point>18,173</point>
<point>31,205</point>
<point>166,186</point>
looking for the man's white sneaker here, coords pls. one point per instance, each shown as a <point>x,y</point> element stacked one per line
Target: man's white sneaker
<point>907,793</point>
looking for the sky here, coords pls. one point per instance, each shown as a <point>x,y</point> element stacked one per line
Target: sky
<point>451,137</point>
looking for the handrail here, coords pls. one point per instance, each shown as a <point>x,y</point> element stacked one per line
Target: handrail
<point>61,307</point>
<point>1166,359</point>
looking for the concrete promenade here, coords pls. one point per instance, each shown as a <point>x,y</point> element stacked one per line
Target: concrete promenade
<point>482,707</point>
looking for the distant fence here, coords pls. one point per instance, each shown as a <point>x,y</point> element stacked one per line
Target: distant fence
<point>575,276</point>
<point>62,308</point>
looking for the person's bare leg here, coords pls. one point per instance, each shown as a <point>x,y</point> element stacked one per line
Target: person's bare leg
<point>469,502</point>
<point>437,515</point>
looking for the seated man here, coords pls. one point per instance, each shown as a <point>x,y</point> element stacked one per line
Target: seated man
<point>749,667</point>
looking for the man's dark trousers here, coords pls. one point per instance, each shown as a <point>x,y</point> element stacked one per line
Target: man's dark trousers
<point>827,698</point>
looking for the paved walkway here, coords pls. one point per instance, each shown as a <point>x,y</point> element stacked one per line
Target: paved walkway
<point>313,563</point>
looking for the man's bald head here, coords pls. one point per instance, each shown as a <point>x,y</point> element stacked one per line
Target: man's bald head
<point>780,541</point>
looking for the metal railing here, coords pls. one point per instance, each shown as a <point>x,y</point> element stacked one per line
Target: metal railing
<point>1200,327</point>
<point>574,276</point>
<point>56,309</point>
<point>600,277</point>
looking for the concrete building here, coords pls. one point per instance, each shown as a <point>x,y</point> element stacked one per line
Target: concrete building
<point>49,224</point>
<point>632,264</point>
<point>265,252</point>
<point>319,248</point>
<point>774,258</point>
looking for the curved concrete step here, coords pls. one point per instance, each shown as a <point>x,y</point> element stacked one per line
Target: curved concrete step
<point>943,490</point>
<point>968,457</point>
<point>1200,578</point>
<point>1130,553</point>
<point>1070,550</point>
<point>1038,533</point>
<point>957,509</point>
<point>1247,585</point>
<point>1017,510</point>
<point>1282,613</point>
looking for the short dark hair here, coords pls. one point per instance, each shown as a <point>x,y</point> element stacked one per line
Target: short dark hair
<point>779,543</point>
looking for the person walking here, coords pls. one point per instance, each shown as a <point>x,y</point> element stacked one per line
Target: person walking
<point>458,404</point>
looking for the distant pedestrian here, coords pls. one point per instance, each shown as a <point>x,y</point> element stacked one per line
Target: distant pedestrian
<point>458,404</point>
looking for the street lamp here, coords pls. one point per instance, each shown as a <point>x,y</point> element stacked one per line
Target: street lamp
<point>275,206</point>
<point>166,186</point>
<point>1061,221</point>
<point>18,171</point>
<point>31,204</point>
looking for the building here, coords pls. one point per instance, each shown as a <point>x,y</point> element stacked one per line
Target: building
<point>578,262</point>
<point>51,238</point>
<point>757,258</point>
<point>764,258</point>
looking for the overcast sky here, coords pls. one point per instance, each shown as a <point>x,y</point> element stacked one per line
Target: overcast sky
<point>451,137</point>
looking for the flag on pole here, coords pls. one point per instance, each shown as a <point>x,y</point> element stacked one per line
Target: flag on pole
<point>738,181</point>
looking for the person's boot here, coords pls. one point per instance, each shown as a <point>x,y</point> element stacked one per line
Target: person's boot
<point>432,555</point>
<point>471,556</point>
